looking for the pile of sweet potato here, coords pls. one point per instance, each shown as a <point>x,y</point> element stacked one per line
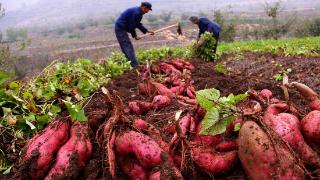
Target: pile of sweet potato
<point>274,142</point>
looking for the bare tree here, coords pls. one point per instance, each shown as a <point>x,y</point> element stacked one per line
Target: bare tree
<point>2,11</point>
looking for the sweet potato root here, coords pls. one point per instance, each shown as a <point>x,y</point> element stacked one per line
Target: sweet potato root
<point>146,150</point>
<point>263,159</point>
<point>212,162</point>
<point>73,155</point>
<point>169,69</point>
<point>44,146</point>
<point>311,128</point>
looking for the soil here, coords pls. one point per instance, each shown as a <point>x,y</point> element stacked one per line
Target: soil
<point>245,71</point>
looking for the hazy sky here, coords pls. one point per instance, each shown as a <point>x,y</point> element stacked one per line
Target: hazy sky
<point>11,5</point>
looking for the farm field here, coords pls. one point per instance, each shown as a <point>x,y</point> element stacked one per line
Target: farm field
<point>182,117</point>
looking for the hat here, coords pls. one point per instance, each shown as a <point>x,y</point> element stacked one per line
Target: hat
<point>147,4</point>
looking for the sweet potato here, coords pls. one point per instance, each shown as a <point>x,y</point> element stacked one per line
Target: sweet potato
<point>161,101</point>
<point>169,69</point>
<point>210,141</point>
<point>177,64</point>
<point>140,107</point>
<point>163,90</point>
<point>146,88</point>
<point>287,126</point>
<point>265,94</point>
<point>191,92</point>
<point>178,90</point>
<point>263,159</point>
<point>73,155</point>
<point>212,162</point>
<point>41,148</point>
<point>226,146</point>
<point>146,150</point>
<point>308,94</point>
<point>151,131</point>
<point>132,168</point>
<point>311,128</point>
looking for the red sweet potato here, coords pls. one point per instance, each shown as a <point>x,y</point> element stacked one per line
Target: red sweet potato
<point>132,168</point>
<point>177,64</point>
<point>179,90</point>
<point>308,94</point>
<point>163,90</point>
<point>188,101</point>
<point>311,128</point>
<point>73,155</point>
<point>263,159</point>
<point>146,150</point>
<point>265,94</point>
<point>140,107</point>
<point>161,101</point>
<point>190,93</point>
<point>226,146</point>
<point>146,88</point>
<point>169,69</point>
<point>151,131</point>
<point>44,146</point>
<point>210,141</point>
<point>212,162</point>
<point>287,126</point>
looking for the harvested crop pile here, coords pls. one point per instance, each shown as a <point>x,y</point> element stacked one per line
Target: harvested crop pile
<point>167,129</point>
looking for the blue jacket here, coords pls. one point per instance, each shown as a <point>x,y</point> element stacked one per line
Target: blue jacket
<point>129,20</point>
<point>205,25</point>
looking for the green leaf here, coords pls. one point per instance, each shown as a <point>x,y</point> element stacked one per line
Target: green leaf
<point>55,109</point>
<point>237,127</point>
<point>14,84</point>
<point>3,78</point>
<point>207,97</point>
<point>210,119</point>
<point>42,121</point>
<point>219,127</point>
<point>75,112</point>
<point>30,125</point>
<point>221,69</point>
<point>7,171</point>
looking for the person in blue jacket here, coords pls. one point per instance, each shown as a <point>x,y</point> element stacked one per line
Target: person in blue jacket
<point>128,21</point>
<point>206,25</point>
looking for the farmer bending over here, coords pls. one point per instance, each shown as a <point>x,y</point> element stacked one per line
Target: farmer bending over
<point>128,21</point>
<point>205,25</point>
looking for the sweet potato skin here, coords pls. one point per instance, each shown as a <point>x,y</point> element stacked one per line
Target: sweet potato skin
<point>212,162</point>
<point>132,169</point>
<point>287,126</point>
<point>46,145</point>
<point>73,155</point>
<point>259,158</point>
<point>310,127</point>
<point>146,150</point>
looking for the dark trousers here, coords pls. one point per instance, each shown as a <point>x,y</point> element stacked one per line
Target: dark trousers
<point>126,46</point>
<point>216,44</point>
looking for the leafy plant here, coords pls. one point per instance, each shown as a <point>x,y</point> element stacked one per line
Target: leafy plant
<point>221,69</point>
<point>219,110</point>
<point>280,74</point>
<point>205,48</point>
